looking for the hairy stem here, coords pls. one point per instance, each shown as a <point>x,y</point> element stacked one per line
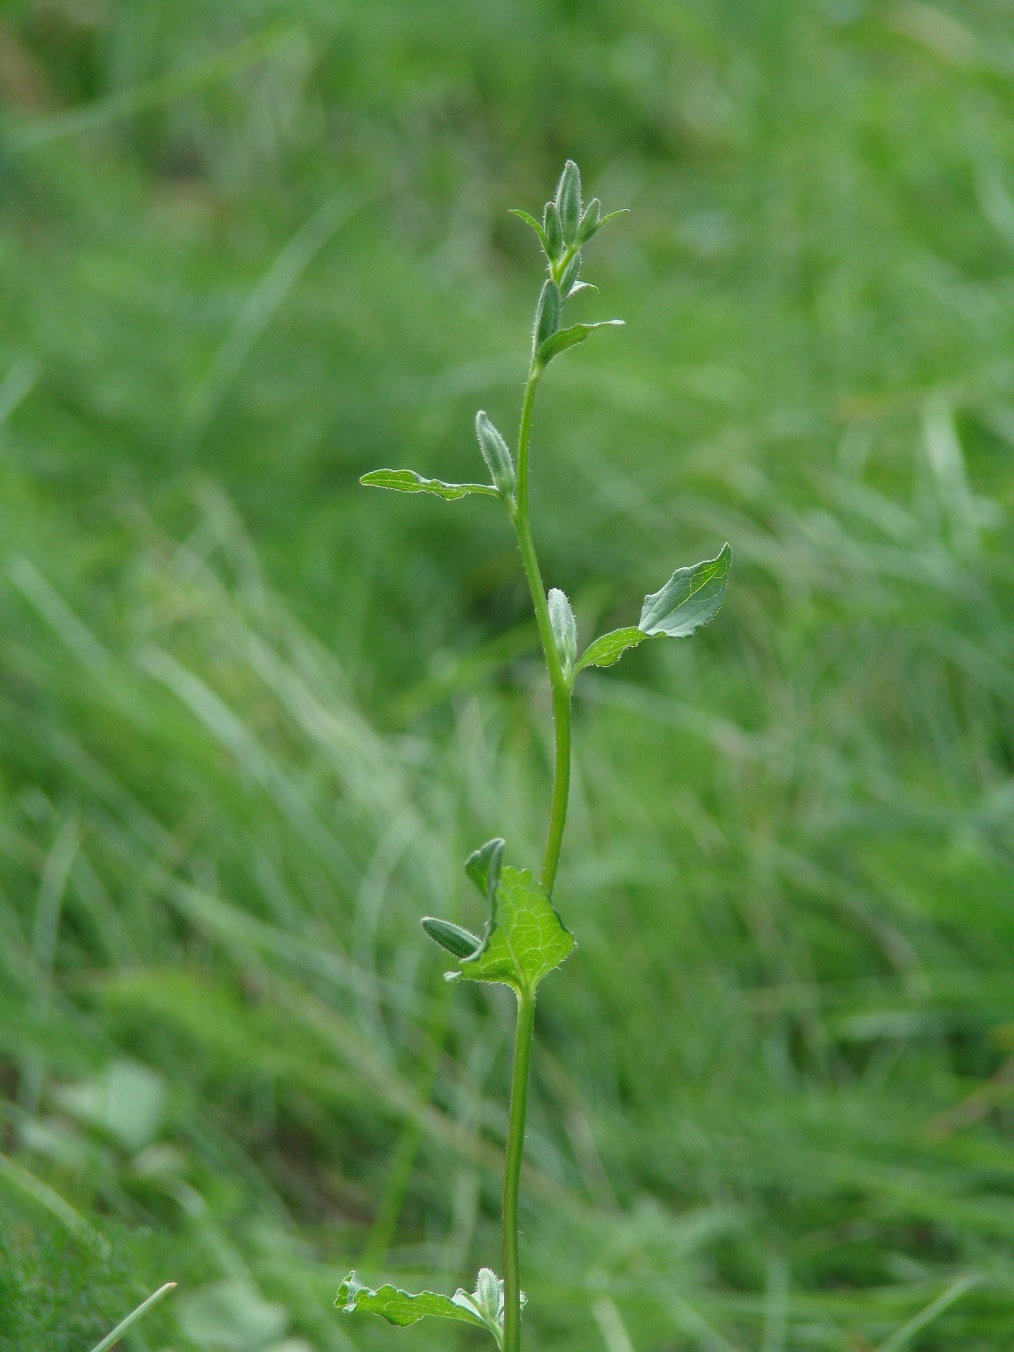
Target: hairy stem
<point>512,1172</point>
<point>557,821</point>
<point>558,680</point>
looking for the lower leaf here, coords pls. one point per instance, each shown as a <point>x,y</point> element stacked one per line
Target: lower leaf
<point>483,1308</point>
<point>404,1307</point>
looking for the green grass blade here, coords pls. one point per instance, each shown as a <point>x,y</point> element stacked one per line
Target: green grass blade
<point>113,1338</point>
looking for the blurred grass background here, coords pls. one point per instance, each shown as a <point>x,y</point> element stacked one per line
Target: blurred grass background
<point>252,717</point>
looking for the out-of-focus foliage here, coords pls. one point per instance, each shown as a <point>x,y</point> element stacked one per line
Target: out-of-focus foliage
<point>253,717</point>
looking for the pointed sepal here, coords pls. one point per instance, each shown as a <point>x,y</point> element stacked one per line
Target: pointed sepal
<point>462,943</point>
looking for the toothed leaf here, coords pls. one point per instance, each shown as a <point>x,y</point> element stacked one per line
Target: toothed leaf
<point>525,939</point>
<point>407,481</point>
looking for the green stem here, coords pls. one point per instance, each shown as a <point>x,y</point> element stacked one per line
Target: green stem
<point>560,684</point>
<point>557,677</point>
<point>512,1172</point>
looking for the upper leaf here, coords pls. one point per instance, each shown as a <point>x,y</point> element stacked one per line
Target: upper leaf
<point>686,603</point>
<point>608,649</point>
<point>407,481</point>
<point>525,938</point>
<point>690,598</point>
<point>529,219</point>
<point>564,338</point>
<point>592,223</point>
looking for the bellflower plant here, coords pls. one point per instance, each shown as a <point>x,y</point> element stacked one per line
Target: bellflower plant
<point>525,938</point>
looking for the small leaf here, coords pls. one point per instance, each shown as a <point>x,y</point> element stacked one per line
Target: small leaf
<point>461,942</point>
<point>553,232</point>
<point>525,939</point>
<point>530,220</point>
<point>568,201</point>
<point>564,338</point>
<point>564,625</point>
<point>407,481</point>
<point>603,220</point>
<point>690,598</point>
<point>608,649</point>
<point>496,454</point>
<point>402,1307</point>
<point>578,287</point>
<point>547,314</point>
<point>483,867</point>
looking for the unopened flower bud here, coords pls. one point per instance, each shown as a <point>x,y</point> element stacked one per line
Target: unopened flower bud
<point>496,454</point>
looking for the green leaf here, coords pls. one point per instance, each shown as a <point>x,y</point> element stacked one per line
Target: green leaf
<point>530,220</point>
<point>686,603</point>
<point>608,649</point>
<point>590,227</point>
<point>578,287</point>
<point>564,338</point>
<point>407,481</point>
<point>484,1307</point>
<point>402,1307</point>
<point>689,599</point>
<point>525,939</point>
<point>461,942</point>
